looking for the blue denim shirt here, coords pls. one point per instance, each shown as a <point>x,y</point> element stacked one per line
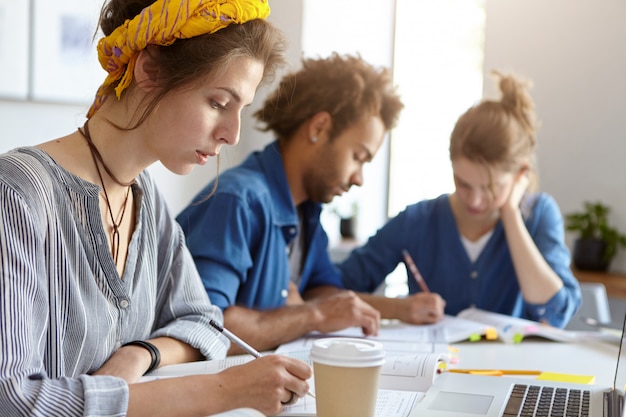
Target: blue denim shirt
<point>428,231</point>
<point>239,236</point>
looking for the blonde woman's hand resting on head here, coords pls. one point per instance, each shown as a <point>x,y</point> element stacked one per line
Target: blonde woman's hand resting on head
<point>518,190</point>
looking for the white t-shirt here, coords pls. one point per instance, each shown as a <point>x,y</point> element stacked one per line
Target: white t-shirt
<point>474,249</point>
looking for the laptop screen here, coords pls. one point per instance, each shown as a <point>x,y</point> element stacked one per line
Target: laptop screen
<point>619,382</point>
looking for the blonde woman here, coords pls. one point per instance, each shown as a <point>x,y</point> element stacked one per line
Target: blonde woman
<point>494,243</point>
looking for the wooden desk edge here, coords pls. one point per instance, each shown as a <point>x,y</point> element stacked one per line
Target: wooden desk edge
<point>615,283</point>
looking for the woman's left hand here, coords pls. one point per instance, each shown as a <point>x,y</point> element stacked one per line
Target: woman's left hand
<point>517,191</point>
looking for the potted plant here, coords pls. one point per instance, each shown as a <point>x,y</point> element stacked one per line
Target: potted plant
<point>347,213</point>
<point>348,223</point>
<point>597,242</point>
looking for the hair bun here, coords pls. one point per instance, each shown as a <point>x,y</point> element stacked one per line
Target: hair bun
<point>516,99</point>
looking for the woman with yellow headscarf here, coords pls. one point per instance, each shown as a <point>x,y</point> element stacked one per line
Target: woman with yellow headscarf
<point>96,284</point>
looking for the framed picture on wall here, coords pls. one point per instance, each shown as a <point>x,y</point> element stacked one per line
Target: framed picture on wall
<point>64,63</point>
<point>14,41</point>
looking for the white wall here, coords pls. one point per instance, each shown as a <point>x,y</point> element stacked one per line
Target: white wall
<point>574,50</point>
<point>575,53</point>
<point>325,31</point>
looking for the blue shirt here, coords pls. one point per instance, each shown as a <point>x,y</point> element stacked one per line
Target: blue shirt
<point>253,213</point>
<point>428,231</point>
<point>64,309</point>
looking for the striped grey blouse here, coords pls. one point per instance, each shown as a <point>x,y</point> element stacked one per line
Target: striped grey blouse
<point>64,308</point>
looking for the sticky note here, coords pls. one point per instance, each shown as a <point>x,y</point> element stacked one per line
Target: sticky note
<point>531,329</point>
<point>475,337</point>
<point>572,378</point>
<point>518,337</point>
<point>491,333</point>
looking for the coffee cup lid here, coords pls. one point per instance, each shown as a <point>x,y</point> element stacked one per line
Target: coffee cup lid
<point>347,352</point>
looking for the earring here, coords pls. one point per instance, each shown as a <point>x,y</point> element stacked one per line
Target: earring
<point>313,139</point>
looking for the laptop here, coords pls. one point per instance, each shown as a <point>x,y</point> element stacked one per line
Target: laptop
<point>461,395</point>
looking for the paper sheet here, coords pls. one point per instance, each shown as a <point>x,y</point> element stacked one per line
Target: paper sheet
<point>389,403</point>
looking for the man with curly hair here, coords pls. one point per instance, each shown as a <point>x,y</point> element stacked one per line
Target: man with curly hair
<point>271,273</point>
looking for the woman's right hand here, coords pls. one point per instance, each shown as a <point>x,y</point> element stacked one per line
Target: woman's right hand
<point>265,383</point>
<point>421,308</point>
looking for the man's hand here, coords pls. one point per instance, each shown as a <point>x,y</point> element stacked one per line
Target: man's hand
<point>345,309</point>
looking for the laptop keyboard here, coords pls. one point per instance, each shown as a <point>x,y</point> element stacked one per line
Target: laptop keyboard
<point>534,400</point>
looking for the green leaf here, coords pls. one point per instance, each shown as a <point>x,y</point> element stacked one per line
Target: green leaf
<point>593,222</point>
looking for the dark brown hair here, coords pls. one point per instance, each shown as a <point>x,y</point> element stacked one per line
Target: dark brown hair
<point>189,61</point>
<point>346,86</point>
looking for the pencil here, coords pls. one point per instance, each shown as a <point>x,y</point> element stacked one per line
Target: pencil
<point>416,273</point>
<point>243,345</point>
<point>495,371</point>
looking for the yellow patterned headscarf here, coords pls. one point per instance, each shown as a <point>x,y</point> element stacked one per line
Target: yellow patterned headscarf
<point>161,24</point>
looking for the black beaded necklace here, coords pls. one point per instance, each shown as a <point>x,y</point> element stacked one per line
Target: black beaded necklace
<point>95,155</point>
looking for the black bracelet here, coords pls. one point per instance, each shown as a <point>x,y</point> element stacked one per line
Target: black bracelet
<point>154,353</point>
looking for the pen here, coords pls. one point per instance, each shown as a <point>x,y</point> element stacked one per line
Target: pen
<point>243,345</point>
<point>495,372</point>
<point>416,273</point>
<point>236,340</point>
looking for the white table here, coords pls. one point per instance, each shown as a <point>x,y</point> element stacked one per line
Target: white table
<point>594,358</point>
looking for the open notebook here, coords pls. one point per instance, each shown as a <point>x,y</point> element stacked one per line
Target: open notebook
<point>457,395</point>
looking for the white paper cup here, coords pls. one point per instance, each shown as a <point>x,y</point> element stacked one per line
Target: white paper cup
<point>346,374</point>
